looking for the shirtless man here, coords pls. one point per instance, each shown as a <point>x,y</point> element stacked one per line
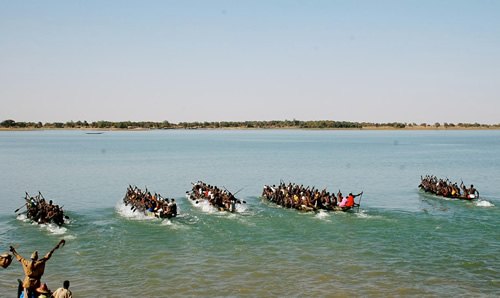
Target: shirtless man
<point>473,193</point>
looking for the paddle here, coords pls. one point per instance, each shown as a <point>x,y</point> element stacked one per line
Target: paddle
<point>24,205</point>
<point>238,190</point>
<point>244,202</point>
<point>359,203</point>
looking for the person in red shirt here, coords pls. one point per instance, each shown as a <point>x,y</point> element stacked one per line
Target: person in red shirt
<point>350,200</point>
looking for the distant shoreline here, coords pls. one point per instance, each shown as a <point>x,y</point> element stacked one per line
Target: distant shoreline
<point>382,128</point>
<point>240,125</point>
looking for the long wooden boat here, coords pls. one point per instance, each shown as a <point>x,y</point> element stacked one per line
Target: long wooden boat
<point>151,205</point>
<point>220,199</point>
<point>307,199</point>
<point>42,212</point>
<point>445,189</point>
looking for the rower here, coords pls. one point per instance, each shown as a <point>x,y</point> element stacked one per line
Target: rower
<point>172,207</point>
<point>350,200</point>
<point>341,199</point>
<point>472,192</point>
<point>233,204</point>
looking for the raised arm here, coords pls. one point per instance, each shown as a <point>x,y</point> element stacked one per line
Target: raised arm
<point>49,254</point>
<point>14,252</point>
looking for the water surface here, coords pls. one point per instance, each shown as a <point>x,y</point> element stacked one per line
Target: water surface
<point>401,242</point>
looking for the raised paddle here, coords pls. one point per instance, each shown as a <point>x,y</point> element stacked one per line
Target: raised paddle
<point>359,203</point>
<point>238,191</point>
<point>244,202</point>
<point>40,196</point>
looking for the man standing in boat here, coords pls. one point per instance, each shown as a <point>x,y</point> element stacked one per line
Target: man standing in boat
<point>349,201</point>
<point>33,268</point>
<point>173,208</point>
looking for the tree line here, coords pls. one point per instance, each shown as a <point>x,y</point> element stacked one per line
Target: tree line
<point>274,124</point>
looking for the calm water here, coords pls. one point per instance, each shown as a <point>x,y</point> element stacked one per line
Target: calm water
<point>401,243</point>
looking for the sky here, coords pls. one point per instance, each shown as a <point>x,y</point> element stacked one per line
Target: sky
<point>367,61</point>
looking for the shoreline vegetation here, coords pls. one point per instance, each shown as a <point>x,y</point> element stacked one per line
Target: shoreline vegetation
<point>274,124</point>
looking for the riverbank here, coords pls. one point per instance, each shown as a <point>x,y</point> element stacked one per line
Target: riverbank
<point>369,128</point>
<point>241,125</point>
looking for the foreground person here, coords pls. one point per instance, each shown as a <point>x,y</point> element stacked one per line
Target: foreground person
<point>63,292</point>
<point>5,260</point>
<point>33,268</point>
<point>43,291</point>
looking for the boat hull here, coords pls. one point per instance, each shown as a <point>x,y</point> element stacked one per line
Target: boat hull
<point>460,198</point>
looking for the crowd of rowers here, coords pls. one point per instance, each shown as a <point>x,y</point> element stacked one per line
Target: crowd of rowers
<point>448,189</point>
<point>222,199</point>
<point>39,211</point>
<point>296,196</point>
<point>145,202</point>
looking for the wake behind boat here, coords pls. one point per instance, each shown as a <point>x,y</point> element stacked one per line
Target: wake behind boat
<point>220,199</point>
<point>152,205</point>
<point>447,189</point>
<point>308,199</point>
<point>41,212</point>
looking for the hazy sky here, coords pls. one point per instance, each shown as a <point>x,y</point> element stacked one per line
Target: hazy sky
<point>378,61</point>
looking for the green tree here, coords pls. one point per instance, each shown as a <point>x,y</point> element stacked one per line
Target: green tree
<point>8,123</point>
